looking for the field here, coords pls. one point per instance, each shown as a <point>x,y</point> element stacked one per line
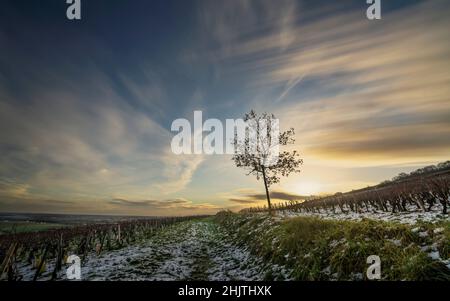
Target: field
<point>417,192</point>
<point>231,246</point>
<point>191,250</point>
<point>47,251</point>
<point>26,226</point>
<point>322,249</point>
<point>405,223</point>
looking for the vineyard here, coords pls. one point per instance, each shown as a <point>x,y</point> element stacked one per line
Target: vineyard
<point>47,251</point>
<point>254,246</point>
<point>415,193</point>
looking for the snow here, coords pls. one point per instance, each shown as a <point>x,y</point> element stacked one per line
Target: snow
<point>335,243</point>
<point>357,276</point>
<point>438,230</point>
<point>411,217</point>
<point>396,242</point>
<point>327,270</point>
<point>203,251</point>
<point>423,234</point>
<point>434,255</point>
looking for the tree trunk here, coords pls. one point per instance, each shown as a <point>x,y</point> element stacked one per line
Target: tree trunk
<point>267,190</point>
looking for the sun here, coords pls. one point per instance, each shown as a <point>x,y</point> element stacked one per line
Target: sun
<point>304,187</point>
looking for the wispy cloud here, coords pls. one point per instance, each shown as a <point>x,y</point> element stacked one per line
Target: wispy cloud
<point>150,203</point>
<point>173,205</point>
<point>85,144</point>
<point>253,198</point>
<point>364,91</point>
<point>85,122</point>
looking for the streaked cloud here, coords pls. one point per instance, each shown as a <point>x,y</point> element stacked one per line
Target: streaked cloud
<point>172,205</point>
<point>85,122</point>
<point>364,91</point>
<point>251,198</point>
<point>85,145</point>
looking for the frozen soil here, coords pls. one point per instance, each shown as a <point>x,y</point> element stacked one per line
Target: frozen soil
<point>194,250</point>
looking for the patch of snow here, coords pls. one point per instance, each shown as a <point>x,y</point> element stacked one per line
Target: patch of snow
<point>327,270</point>
<point>434,255</point>
<point>396,242</point>
<point>185,251</point>
<point>438,230</point>
<point>411,216</point>
<point>423,234</point>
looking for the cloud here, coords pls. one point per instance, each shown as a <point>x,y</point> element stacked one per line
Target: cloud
<point>30,204</point>
<point>171,204</point>
<point>227,23</point>
<point>354,90</point>
<point>169,207</point>
<point>85,128</point>
<point>242,201</point>
<point>84,122</point>
<point>178,172</point>
<point>279,195</point>
<point>252,198</point>
<point>149,203</point>
<point>84,144</point>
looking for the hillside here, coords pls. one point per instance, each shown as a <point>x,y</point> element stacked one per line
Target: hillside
<point>318,249</point>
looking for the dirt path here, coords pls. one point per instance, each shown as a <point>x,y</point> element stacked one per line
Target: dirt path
<point>196,250</point>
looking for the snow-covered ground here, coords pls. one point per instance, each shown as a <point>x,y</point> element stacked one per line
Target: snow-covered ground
<point>203,250</point>
<point>411,217</point>
<point>185,251</point>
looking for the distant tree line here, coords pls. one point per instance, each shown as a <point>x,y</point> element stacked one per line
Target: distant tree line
<point>421,171</point>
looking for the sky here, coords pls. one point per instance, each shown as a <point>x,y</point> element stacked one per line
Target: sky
<point>86,106</point>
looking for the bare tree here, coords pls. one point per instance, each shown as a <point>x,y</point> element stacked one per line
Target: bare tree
<point>255,156</point>
<point>441,185</point>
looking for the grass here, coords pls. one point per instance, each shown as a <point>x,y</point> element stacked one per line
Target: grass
<point>317,249</point>
<point>20,227</point>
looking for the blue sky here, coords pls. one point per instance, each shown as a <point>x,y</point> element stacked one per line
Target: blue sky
<point>86,106</point>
